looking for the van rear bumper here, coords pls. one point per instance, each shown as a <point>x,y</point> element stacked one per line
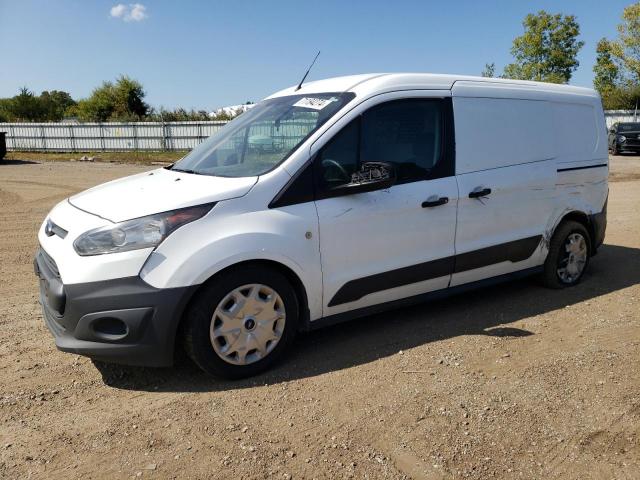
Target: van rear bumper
<point>599,225</point>
<point>122,321</point>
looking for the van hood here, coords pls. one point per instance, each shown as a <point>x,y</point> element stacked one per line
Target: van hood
<point>158,191</point>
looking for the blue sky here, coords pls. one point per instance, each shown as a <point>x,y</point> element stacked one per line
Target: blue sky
<point>214,53</point>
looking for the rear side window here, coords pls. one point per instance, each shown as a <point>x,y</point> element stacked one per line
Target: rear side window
<point>409,134</point>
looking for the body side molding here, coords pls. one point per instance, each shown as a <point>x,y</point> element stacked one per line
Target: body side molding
<point>600,165</point>
<point>356,289</point>
<point>514,251</point>
<point>417,299</point>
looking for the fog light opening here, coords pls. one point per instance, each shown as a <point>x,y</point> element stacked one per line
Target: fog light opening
<point>110,328</point>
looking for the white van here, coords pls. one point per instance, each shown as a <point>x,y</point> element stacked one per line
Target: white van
<point>345,197</point>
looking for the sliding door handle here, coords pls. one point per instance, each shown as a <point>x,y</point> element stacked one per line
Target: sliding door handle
<point>477,193</point>
<point>435,201</point>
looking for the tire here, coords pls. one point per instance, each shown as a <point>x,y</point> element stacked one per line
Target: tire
<point>566,236</point>
<point>234,355</point>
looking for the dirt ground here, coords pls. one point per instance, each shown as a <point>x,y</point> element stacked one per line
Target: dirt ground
<point>514,381</point>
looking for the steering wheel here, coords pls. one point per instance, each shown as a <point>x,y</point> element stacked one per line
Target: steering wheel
<point>333,165</point>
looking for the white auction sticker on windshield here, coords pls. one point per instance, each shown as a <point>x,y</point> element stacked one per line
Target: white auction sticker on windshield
<point>314,103</point>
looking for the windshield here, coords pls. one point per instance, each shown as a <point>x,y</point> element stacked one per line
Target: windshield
<point>629,127</point>
<point>261,138</point>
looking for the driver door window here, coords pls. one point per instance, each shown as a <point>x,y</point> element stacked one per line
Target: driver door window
<point>338,160</point>
<point>405,133</point>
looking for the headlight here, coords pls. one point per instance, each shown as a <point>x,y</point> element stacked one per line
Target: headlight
<point>143,232</point>
<point>622,138</point>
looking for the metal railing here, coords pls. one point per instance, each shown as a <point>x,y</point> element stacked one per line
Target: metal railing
<point>151,136</point>
<point>104,137</point>
<point>613,116</point>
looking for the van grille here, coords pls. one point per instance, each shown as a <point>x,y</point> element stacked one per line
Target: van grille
<point>52,320</point>
<point>50,262</point>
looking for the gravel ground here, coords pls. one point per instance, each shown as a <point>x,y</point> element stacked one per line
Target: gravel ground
<point>514,381</point>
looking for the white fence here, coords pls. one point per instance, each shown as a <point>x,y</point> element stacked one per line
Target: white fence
<point>151,136</point>
<point>613,116</point>
<point>86,137</point>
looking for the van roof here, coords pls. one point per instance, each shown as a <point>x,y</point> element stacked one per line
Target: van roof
<point>380,82</point>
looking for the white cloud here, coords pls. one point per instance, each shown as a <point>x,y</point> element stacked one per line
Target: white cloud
<point>137,14</point>
<point>118,11</point>
<point>134,12</point>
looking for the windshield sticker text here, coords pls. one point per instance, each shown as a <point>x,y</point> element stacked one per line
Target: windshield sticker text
<point>314,103</point>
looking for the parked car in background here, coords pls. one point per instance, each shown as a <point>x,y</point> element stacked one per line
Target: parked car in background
<point>323,203</point>
<point>624,137</point>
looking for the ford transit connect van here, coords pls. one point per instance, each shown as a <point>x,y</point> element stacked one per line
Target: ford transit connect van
<point>344,197</point>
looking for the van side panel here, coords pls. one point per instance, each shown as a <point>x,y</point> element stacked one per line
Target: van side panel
<point>499,147</point>
<point>542,153</point>
<point>576,133</point>
<point>582,159</point>
<point>498,132</point>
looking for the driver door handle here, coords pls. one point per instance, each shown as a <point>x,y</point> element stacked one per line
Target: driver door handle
<point>435,202</point>
<point>480,193</point>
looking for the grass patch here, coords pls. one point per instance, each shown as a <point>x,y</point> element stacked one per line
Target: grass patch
<point>144,158</point>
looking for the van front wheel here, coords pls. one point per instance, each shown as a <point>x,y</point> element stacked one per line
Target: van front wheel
<point>568,257</point>
<point>241,322</point>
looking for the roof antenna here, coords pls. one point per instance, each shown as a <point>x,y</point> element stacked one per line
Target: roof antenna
<point>305,75</point>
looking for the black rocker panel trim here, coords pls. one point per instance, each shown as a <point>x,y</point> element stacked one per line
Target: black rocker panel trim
<point>417,299</point>
<point>514,251</point>
<point>356,289</point>
<point>600,165</point>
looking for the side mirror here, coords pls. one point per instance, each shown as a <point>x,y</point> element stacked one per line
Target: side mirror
<point>371,176</point>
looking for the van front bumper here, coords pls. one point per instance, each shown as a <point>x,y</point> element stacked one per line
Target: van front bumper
<point>122,321</point>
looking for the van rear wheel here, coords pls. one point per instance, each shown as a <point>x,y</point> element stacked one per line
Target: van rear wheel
<point>241,322</point>
<point>568,258</point>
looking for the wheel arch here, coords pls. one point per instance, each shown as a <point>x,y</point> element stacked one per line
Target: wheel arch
<point>287,272</point>
<point>583,219</point>
<point>294,279</point>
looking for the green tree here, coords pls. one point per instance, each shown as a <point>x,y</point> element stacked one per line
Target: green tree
<point>548,49</point>
<point>605,69</point>
<point>98,107</point>
<point>177,115</point>
<point>617,68</point>
<point>122,101</point>
<point>26,107</point>
<point>129,99</point>
<point>223,116</point>
<point>627,48</point>
<point>54,104</point>
<point>489,70</point>
<point>5,110</point>
<point>621,98</point>
<point>4,115</point>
